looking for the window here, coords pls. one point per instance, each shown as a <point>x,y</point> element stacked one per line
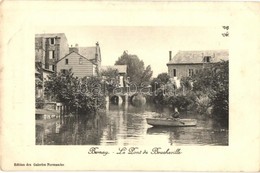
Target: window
<point>51,54</point>
<point>66,61</point>
<point>53,67</point>
<point>80,61</point>
<point>207,58</point>
<point>52,41</point>
<point>63,71</point>
<point>174,72</point>
<point>191,72</point>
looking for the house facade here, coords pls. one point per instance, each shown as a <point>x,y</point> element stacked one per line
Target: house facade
<point>49,48</point>
<point>187,63</point>
<point>83,61</point>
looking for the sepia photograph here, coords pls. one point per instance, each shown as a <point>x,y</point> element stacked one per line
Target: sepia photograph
<point>129,86</point>
<point>132,86</point>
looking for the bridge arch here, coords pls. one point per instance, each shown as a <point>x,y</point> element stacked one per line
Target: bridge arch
<point>116,99</point>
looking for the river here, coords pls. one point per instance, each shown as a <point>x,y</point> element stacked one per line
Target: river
<point>126,125</point>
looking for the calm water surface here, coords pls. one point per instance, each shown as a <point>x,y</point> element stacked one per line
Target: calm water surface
<point>126,125</point>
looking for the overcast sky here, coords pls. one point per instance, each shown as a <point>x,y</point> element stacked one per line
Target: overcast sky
<point>150,44</point>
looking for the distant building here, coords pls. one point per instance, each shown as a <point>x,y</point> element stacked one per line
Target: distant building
<point>122,71</point>
<point>41,76</point>
<point>187,63</point>
<point>50,48</point>
<point>84,61</point>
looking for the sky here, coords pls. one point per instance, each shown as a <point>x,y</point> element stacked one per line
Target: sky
<point>150,44</point>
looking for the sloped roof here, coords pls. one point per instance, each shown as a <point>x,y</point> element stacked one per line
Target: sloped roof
<point>91,60</point>
<point>120,68</point>
<point>50,35</point>
<point>88,52</point>
<point>194,57</point>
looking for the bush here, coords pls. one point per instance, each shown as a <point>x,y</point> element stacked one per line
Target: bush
<point>158,97</point>
<point>202,103</point>
<point>39,103</point>
<point>138,100</point>
<point>220,102</point>
<point>211,85</point>
<point>181,102</point>
<point>79,95</point>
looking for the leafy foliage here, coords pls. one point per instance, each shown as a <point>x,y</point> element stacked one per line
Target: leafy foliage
<point>160,80</point>
<point>110,73</point>
<point>181,102</point>
<point>110,76</point>
<point>147,74</point>
<point>39,103</point>
<point>186,85</point>
<point>80,95</point>
<point>213,81</point>
<point>135,68</point>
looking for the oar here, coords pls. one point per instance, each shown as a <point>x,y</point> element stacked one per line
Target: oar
<point>182,122</point>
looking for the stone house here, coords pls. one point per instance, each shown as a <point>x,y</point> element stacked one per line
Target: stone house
<point>50,48</point>
<point>187,63</point>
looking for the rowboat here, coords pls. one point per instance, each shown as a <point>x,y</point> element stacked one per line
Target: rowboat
<point>171,122</point>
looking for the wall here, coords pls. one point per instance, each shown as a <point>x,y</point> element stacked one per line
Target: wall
<point>64,47</point>
<point>79,70</point>
<point>182,70</point>
<point>42,48</point>
<point>39,50</point>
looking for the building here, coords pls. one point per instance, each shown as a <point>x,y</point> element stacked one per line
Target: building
<point>50,48</point>
<point>121,69</point>
<point>187,63</point>
<point>83,61</point>
<point>122,72</point>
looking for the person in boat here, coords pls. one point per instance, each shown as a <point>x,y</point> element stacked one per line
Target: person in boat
<point>175,114</point>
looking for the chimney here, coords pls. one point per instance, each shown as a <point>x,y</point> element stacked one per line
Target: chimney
<point>97,51</point>
<point>74,49</point>
<point>170,55</point>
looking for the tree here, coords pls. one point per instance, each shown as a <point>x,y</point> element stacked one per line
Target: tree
<point>109,73</point>
<point>161,79</point>
<point>82,95</point>
<point>147,74</point>
<point>135,68</point>
<point>110,76</point>
<point>213,81</point>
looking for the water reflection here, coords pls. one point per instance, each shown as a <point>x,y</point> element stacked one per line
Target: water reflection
<point>126,125</point>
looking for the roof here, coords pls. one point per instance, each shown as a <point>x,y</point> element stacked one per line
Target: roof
<point>91,60</point>
<point>50,35</point>
<point>88,52</point>
<point>195,57</point>
<point>120,68</point>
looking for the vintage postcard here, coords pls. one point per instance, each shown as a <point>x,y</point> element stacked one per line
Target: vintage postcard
<point>148,86</point>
